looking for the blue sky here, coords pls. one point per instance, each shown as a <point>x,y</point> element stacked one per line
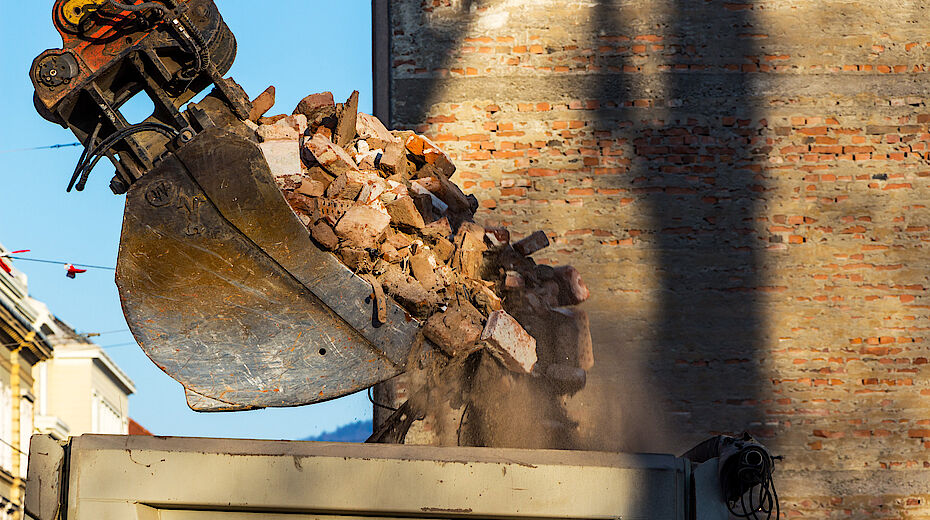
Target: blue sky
<point>300,47</point>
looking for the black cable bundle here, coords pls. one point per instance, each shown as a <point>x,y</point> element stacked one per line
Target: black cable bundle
<point>186,31</point>
<point>94,152</point>
<point>747,482</point>
<point>745,468</point>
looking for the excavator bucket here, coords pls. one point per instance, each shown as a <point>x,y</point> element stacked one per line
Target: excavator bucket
<point>220,282</point>
<point>226,293</point>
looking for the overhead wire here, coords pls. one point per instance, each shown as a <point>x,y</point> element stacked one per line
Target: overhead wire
<point>119,345</point>
<point>95,334</point>
<point>60,262</point>
<point>127,343</point>
<point>34,148</point>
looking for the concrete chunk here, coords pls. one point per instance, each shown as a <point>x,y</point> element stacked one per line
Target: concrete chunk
<point>283,157</point>
<point>509,342</point>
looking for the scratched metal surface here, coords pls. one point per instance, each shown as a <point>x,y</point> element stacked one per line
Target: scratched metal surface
<point>205,404</point>
<point>218,314</point>
<point>247,196</point>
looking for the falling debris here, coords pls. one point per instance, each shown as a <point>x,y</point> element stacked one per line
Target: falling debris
<point>384,203</point>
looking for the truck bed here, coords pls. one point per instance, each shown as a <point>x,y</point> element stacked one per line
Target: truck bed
<point>102,477</point>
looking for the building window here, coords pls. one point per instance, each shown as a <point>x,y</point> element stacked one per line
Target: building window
<point>106,418</point>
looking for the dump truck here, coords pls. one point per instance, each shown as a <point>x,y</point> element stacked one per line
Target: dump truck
<point>226,291</point>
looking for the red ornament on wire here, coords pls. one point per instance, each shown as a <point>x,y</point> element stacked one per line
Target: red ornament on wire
<point>73,271</point>
<point>7,268</point>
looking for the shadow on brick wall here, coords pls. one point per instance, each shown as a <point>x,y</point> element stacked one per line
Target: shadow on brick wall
<point>443,37</point>
<point>692,157</point>
<point>693,130</point>
<point>691,161</point>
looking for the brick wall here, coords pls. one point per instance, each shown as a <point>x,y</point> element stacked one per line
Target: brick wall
<point>744,187</point>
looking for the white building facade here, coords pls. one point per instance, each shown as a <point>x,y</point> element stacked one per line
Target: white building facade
<point>52,380</point>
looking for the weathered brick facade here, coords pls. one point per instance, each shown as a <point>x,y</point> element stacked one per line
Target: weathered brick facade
<point>744,187</point>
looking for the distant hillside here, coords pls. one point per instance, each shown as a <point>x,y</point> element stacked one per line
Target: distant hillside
<point>353,432</point>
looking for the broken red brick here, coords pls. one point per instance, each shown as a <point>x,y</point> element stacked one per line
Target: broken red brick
<point>497,237</point>
<point>529,245</point>
<point>288,128</point>
<point>311,188</point>
<point>324,152</point>
<point>457,330</point>
<point>469,244</point>
<point>408,292</point>
<point>324,235</point>
<point>509,342</point>
<point>443,249</point>
<point>316,106</point>
<point>347,117</point>
<point>372,130</point>
<point>262,104</point>
<point>572,333</point>
<point>431,154</point>
<point>423,267</point>
<point>393,159</point>
<point>572,289</point>
<point>363,226</point>
<point>513,280</point>
<point>404,212</point>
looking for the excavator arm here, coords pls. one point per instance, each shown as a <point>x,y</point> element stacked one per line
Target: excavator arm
<point>219,281</point>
